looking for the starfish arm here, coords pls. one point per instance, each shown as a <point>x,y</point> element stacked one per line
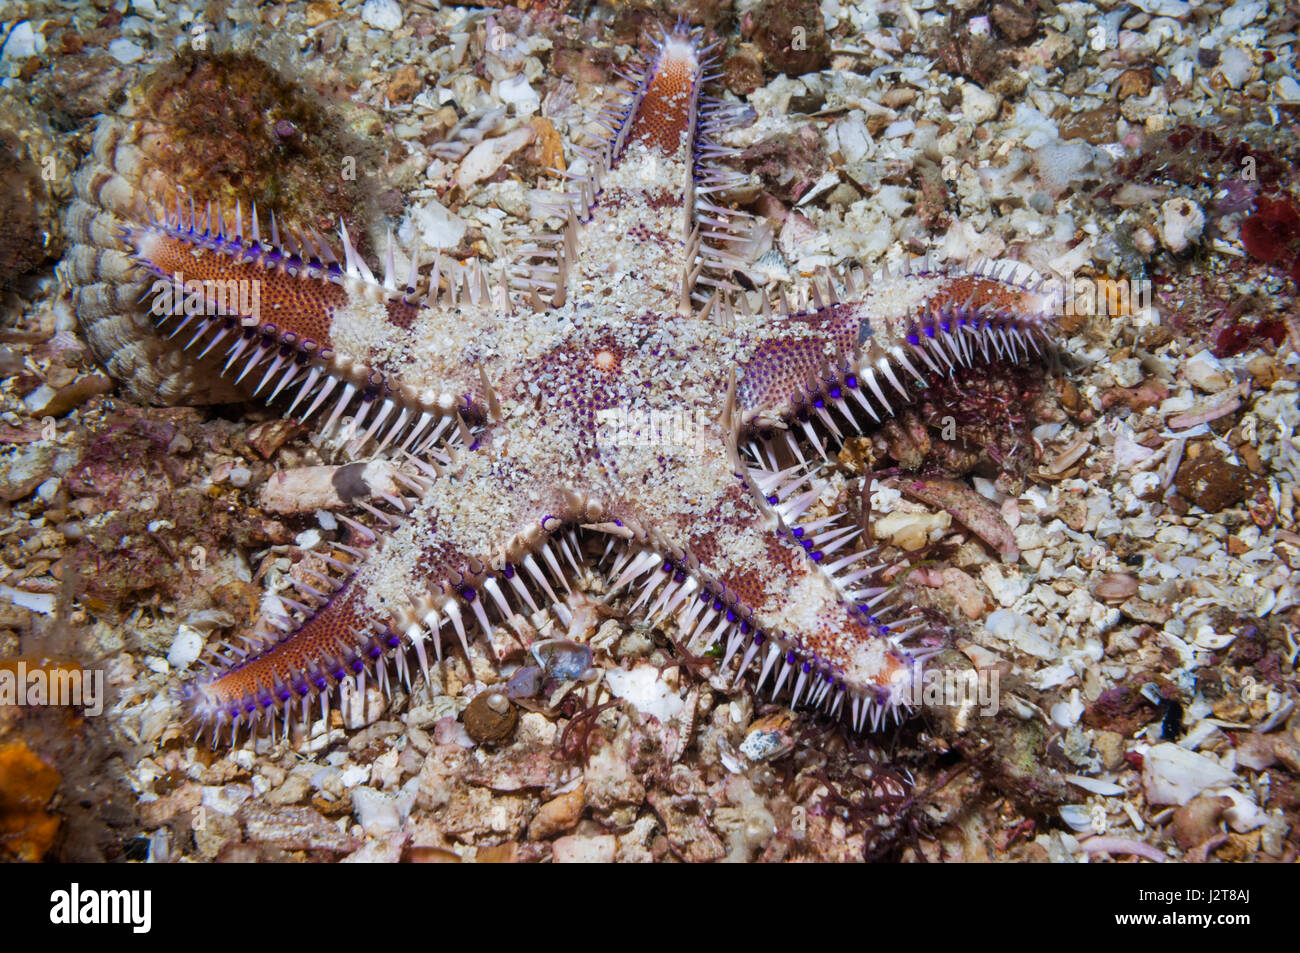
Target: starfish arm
<point>439,564</point>
<point>886,342</point>
<point>285,662</point>
<point>289,317</point>
<point>650,234</point>
<point>740,577</point>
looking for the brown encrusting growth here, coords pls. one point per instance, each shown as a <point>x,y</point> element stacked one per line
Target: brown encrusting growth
<point>22,246</point>
<point>27,784</point>
<point>226,126</point>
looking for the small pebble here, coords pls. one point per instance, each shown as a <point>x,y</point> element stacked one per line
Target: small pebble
<point>23,42</point>
<point>126,51</point>
<point>1211,482</point>
<point>49,489</point>
<point>382,14</point>
<point>1115,587</point>
<point>1181,223</point>
<point>519,94</point>
<point>1206,372</point>
<point>1128,372</point>
<point>977,105</point>
<point>186,646</point>
<point>1235,66</point>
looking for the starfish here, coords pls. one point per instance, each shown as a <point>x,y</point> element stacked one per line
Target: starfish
<point>611,398</point>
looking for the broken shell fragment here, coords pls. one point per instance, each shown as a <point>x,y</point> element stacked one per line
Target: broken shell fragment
<point>562,659</point>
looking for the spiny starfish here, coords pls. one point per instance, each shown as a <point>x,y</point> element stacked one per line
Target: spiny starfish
<point>527,412</point>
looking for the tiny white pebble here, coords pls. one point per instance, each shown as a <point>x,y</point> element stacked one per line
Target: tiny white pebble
<point>353,775</point>
<point>977,105</point>
<point>23,42</point>
<point>1181,223</point>
<point>382,14</point>
<point>186,647</point>
<point>126,51</point>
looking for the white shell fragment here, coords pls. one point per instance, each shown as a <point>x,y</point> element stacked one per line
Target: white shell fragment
<point>382,14</point>
<point>1173,775</point>
<point>1181,222</point>
<point>186,647</point>
<point>1206,372</point>
<point>645,690</point>
<point>486,157</point>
